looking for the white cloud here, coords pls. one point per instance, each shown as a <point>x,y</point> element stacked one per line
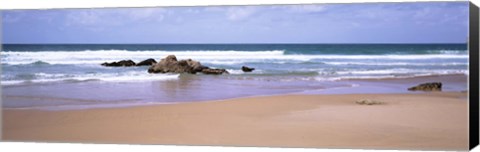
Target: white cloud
<point>12,16</point>
<point>240,13</point>
<point>156,14</point>
<point>308,8</point>
<point>87,17</point>
<point>113,17</point>
<point>214,9</point>
<point>193,11</point>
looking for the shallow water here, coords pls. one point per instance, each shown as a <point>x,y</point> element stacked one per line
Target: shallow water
<point>192,88</point>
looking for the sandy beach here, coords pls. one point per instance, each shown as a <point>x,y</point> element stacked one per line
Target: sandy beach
<point>426,121</point>
<point>356,76</point>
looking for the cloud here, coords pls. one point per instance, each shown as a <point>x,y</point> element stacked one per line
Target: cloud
<point>239,13</point>
<point>104,18</point>
<point>88,17</point>
<point>12,16</point>
<point>308,8</point>
<point>193,11</point>
<point>156,14</point>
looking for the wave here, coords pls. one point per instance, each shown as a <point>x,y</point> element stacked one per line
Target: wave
<point>214,57</point>
<point>393,72</point>
<point>447,52</point>
<point>395,63</point>
<point>132,76</point>
<point>400,71</point>
<point>369,77</point>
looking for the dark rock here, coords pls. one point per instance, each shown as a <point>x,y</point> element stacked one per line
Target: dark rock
<point>432,86</point>
<point>170,64</point>
<point>247,69</point>
<point>120,63</point>
<point>147,62</point>
<point>214,71</point>
<point>171,58</point>
<point>197,67</point>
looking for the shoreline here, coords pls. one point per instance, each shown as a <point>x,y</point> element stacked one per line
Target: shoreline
<point>427,121</point>
<point>199,89</point>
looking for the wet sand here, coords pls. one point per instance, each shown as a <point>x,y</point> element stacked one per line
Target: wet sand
<point>191,88</point>
<point>421,121</point>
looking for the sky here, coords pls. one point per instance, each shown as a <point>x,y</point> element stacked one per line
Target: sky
<point>425,22</point>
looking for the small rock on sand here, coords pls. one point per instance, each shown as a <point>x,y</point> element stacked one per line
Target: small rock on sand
<point>368,102</point>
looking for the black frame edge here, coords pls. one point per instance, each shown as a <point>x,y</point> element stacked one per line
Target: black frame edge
<point>473,76</point>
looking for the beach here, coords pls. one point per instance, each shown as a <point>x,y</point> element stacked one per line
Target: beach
<point>328,118</point>
<point>359,76</point>
<point>299,95</point>
<point>426,121</point>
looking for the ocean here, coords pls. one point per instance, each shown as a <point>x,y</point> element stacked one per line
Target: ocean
<point>53,63</point>
<point>71,73</point>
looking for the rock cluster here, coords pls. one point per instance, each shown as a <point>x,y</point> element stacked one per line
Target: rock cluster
<point>170,64</point>
<point>432,86</point>
<point>126,63</point>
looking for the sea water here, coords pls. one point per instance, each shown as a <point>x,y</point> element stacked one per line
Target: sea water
<point>71,74</point>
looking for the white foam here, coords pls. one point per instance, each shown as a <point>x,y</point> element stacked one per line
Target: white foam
<point>108,77</point>
<point>221,57</point>
<point>232,71</point>
<point>400,71</point>
<point>380,74</point>
<point>239,71</point>
<point>448,51</point>
<point>222,62</point>
<point>11,82</point>
<point>395,63</point>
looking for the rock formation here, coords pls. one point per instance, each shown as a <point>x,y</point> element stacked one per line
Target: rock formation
<point>214,71</point>
<point>147,62</point>
<point>432,86</point>
<point>120,63</point>
<point>197,67</point>
<point>247,69</point>
<point>170,64</point>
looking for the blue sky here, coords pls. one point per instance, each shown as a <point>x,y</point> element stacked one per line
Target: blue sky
<point>427,22</point>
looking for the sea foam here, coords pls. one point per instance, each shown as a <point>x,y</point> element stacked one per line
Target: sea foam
<point>214,57</point>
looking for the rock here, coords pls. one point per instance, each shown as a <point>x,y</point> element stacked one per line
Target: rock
<point>432,86</point>
<point>120,63</point>
<point>170,64</point>
<point>247,69</point>
<point>146,62</point>
<point>171,58</point>
<point>214,71</point>
<point>197,67</point>
<point>368,102</point>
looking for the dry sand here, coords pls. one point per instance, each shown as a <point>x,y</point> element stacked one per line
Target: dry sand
<point>430,121</point>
